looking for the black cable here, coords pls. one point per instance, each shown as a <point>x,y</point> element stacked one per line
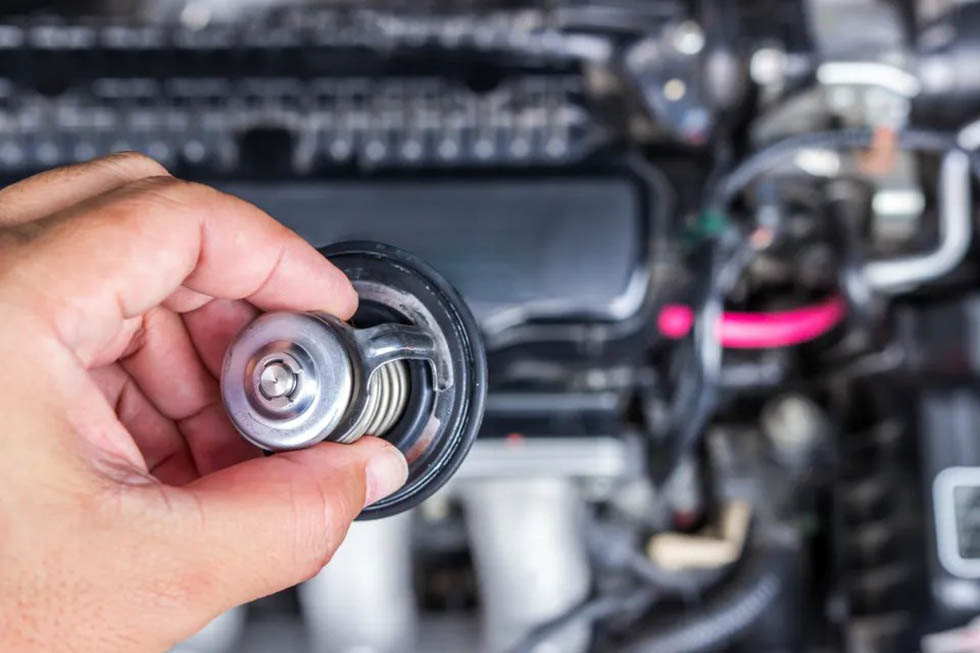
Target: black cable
<point>845,213</point>
<point>750,593</point>
<point>613,545</point>
<point>660,194</point>
<point>757,582</point>
<point>698,392</point>
<point>784,150</point>
<point>688,585</point>
<point>588,612</point>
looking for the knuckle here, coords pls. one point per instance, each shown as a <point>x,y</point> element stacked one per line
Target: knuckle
<point>157,184</point>
<point>159,191</point>
<point>170,192</point>
<point>132,165</point>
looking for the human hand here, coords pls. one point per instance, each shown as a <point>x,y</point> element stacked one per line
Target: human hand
<point>131,512</point>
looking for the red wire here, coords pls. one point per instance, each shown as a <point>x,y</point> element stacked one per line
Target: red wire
<point>760,330</point>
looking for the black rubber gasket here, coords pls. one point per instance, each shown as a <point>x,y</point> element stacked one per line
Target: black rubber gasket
<point>459,410</point>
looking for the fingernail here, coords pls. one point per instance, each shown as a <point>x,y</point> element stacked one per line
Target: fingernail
<point>386,472</point>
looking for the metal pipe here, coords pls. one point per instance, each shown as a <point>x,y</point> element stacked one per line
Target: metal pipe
<point>363,600</point>
<point>530,557</point>
<point>955,234</point>
<point>592,457</point>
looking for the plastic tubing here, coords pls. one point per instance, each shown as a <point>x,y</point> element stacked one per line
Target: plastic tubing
<point>739,330</point>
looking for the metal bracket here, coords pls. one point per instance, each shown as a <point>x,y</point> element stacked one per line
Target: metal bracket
<point>389,342</point>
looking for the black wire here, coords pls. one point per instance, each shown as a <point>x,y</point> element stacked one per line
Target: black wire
<point>587,612</point>
<point>688,585</point>
<point>760,579</point>
<point>697,394</point>
<point>781,152</point>
<point>845,213</point>
<point>660,195</point>
<point>698,391</point>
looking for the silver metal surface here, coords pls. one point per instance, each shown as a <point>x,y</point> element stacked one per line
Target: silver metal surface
<point>323,380</point>
<point>291,380</point>
<point>944,488</point>
<point>363,600</point>
<point>378,341</point>
<point>969,136</point>
<point>389,342</point>
<point>277,380</point>
<point>375,348</point>
<point>503,328</point>
<point>571,457</point>
<point>297,376</point>
<point>388,393</point>
<point>530,558</point>
<point>530,403</point>
<point>955,233</point>
<point>845,29</point>
<point>869,73</point>
<point>391,385</point>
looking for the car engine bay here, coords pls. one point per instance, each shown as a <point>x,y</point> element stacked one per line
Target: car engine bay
<point>721,256</point>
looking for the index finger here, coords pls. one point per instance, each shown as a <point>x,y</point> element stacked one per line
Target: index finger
<point>119,254</point>
<point>57,189</point>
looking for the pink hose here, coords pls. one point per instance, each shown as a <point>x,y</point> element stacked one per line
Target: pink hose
<point>760,330</point>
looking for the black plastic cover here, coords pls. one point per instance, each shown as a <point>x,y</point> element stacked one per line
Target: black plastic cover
<point>561,249</point>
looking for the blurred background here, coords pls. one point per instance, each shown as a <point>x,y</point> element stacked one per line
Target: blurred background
<point>629,490</point>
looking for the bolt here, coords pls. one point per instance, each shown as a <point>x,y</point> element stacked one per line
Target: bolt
<point>277,380</point>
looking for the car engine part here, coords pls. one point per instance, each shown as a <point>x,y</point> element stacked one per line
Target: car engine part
<point>413,373</point>
<point>722,257</point>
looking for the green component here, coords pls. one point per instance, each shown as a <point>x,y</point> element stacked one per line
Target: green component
<point>707,224</point>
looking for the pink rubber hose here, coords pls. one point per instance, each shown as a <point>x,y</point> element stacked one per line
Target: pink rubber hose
<point>760,330</point>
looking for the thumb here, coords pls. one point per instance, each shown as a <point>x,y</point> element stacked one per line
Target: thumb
<point>269,523</point>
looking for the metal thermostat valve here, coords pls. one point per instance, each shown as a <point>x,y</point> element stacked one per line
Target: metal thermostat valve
<point>410,367</point>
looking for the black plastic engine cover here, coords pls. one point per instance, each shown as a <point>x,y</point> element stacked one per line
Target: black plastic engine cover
<point>554,267</point>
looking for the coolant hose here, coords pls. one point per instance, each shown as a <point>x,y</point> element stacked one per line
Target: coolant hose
<point>718,622</point>
<point>760,330</point>
<point>955,234</point>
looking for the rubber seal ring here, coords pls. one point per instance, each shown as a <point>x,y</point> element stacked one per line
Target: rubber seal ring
<point>457,412</point>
